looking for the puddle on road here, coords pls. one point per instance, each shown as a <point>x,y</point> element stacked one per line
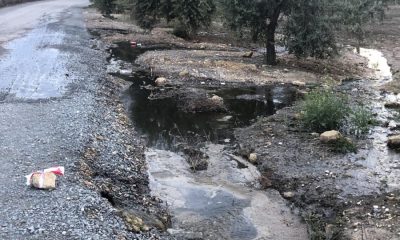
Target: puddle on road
<point>221,202</point>
<point>30,71</point>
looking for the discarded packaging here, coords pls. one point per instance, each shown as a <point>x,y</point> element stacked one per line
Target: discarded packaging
<point>135,44</point>
<point>45,179</point>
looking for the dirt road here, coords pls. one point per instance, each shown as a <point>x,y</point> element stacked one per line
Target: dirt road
<point>48,76</point>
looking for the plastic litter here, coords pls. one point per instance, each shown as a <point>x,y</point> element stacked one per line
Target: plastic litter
<point>45,179</point>
<point>135,44</point>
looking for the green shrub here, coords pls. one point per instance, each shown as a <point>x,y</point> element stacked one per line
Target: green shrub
<point>360,120</point>
<point>324,110</point>
<point>343,145</point>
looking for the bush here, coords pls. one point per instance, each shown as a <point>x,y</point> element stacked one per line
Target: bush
<point>359,121</point>
<point>343,145</point>
<point>323,110</point>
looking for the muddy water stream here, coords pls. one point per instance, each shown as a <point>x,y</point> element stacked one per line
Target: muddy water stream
<point>223,201</point>
<point>380,172</point>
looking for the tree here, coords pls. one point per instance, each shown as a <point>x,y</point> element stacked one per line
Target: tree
<point>356,14</point>
<point>308,30</point>
<point>307,33</point>
<point>190,14</point>
<point>260,17</point>
<point>106,7</point>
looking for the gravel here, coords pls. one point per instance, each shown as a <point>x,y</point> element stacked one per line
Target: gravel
<point>36,134</point>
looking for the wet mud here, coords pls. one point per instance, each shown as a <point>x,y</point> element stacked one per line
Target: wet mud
<point>224,200</point>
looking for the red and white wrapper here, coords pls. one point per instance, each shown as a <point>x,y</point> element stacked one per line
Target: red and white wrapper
<point>56,170</point>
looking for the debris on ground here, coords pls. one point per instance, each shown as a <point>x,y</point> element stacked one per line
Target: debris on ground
<point>45,179</point>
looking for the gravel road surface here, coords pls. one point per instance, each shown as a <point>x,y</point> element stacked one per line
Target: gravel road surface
<point>48,78</point>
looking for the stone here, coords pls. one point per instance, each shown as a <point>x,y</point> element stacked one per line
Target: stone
<point>184,73</point>
<point>217,99</point>
<point>394,142</point>
<point>299,83</point>
<point>125,72</point>
<point>330,136</point>
<point>288,194</point>
<point>160,81</point>
<point>248,54</point>
<point>315,134</point>
<point>252,157</point>
<point>392,105</point>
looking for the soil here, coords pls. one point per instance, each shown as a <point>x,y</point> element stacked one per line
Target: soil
<point>341,195</point>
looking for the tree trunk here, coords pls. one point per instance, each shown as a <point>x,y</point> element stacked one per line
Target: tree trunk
<point>270,57</point>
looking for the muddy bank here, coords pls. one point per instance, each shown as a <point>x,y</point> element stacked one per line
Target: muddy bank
<point>356,193</point>
<point>351,195</point>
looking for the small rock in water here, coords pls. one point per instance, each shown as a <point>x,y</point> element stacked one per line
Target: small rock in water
<point>394,142</point>
<point>252,157</point>
<point>330,136</point>
<point>392,105</point>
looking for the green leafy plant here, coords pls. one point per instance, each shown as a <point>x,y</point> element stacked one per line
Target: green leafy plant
<point>343,145</point>
<point>324,110</point>
<point>360,120</point>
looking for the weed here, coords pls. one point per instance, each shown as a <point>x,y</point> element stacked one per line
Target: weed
<point>343,145</point>
<point>324,110</point>
<point>359,121</point>
<point>318,229</point>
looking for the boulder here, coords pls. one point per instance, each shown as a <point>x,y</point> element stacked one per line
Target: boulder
<point>330,136</point>
<point>160,81</point>
<point>394,142</point>
<point>252,157</point>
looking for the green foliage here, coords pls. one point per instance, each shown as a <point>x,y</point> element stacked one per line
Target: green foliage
<point>308,28</point>
<point>193,14</point>
<point>146,13</point>
<point>190,14</point>
<point>106,7</point>
<point>316,227</point>
<point>323,110</point>
<point>360,120</point>
<point>260,17</point>
<point>308,31</point>
<point>356,14</point>
<point>343,145</point>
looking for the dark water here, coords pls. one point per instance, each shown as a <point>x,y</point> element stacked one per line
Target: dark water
<point>123,50</point>
<point>164,122</point>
